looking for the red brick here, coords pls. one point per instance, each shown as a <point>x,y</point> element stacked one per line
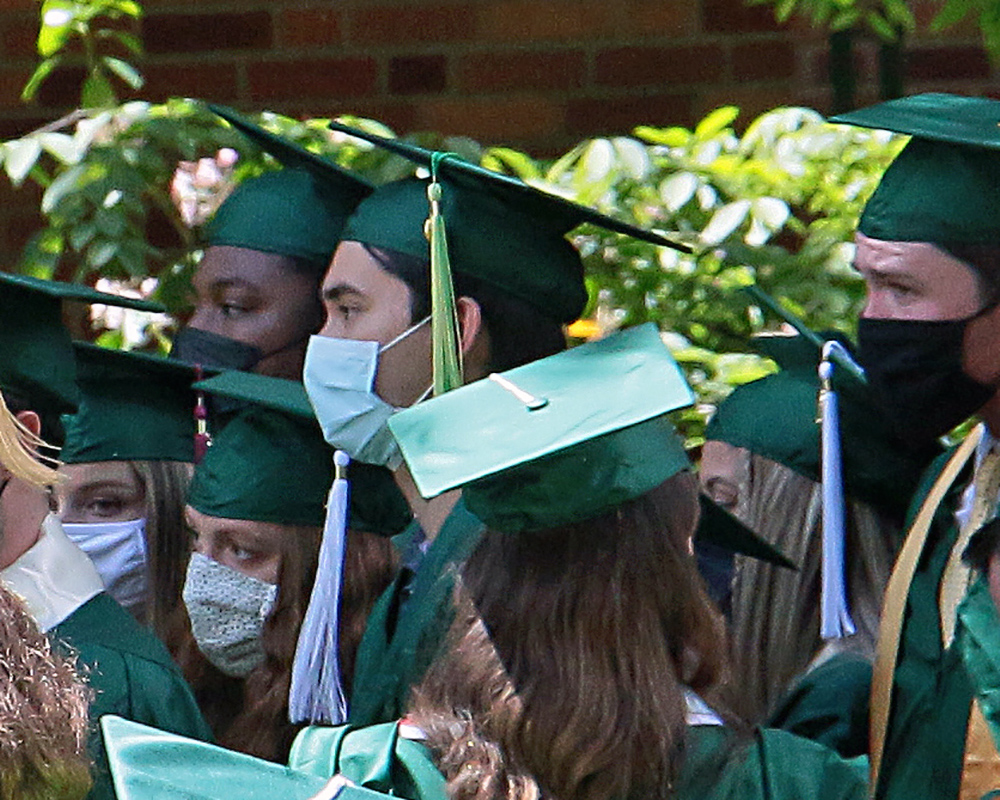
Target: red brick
<point>752,102</point>
<point>418,74</point>
<point>659,66</point>
<point>644,18</point>
<point>492,72</point>
<point>391,25</point>
<point>18,127</point>
<point>735,16</point>
<point>310,27</point>
<point>618,115</point>
<point>534,20</point>
<point>11,83</point>
<point>204,81</point>
<point>925,11</point>
<point>946,63</point>
<point>19,34</point>
<point>401,116</point>
<point>324,78</point>
<point>763,61</point>
<point>865,57</point>
<point>202,33</point>
<point>499,120</point>
<point>62,88</point>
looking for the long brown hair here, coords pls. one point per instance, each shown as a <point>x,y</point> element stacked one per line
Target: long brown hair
<point>569,655</point>
<point>251,714</point>
<point>775,611</point>
<point>167,542</point>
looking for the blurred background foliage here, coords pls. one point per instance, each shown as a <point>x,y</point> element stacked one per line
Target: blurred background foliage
<point>127,188</point>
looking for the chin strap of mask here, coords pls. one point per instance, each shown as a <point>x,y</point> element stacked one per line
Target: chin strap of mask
<point>21,451</point>
<point>316,691</point>
<point>447,353</point>
<point>835,616</point>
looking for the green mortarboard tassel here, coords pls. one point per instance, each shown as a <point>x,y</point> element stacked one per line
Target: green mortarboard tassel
<point>447,354</point>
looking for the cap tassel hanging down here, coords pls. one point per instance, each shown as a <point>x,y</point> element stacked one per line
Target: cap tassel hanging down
<point>447,354</point>
<point>316,693</point>
<point>835,616</point>
<point>202,438</point>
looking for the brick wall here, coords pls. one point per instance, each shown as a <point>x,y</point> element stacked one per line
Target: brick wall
<point>537,74</point>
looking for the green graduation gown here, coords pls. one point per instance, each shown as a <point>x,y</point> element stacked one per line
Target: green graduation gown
<point>409,622</point>
<point>932,693</point>
<point>132,676</point>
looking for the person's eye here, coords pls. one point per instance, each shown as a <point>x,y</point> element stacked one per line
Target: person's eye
<point>233,309</point>
<point>347,310</point>
<point>244,554</point>
<point>105,506</point>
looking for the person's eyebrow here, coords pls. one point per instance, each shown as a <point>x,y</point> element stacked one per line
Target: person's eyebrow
<point>338,290</point>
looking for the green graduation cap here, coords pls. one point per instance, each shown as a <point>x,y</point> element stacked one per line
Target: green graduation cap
<point>36,350</point>
<point>555,441</point>
<point>292,472</point>
<point>718,527</point>
<point>298,211</point>
<point>134,407</point>
<point>944,187</point>
<point>776,417</point>
<point>499,229</point>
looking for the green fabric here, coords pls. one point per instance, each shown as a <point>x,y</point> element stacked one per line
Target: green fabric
<point>829,704</point>
<point>375,757</point>
<point>376,504</point>
<point>942,188</point>
<point>409,622</point>
<point>931,690</point>
<point>148,764</point>
<point>500,230</point>
<point>36,351</point>
<point>718,527</point>
<point>772,765</point>
<point>590,434</point>
<point>978,638</point>
<point>297,212</point>
<point>132,676</point>
<point>134,407</point>
<point>775,417</point>
<point>265,466</point>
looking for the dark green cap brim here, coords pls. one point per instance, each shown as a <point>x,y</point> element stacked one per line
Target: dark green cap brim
<point>134,407</point>
<point>36,351</point>
<point>298,212</point>
<point>590,433</point>
<point>718,527</point>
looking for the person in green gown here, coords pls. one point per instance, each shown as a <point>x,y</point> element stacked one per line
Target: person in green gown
<point>129,670</point>
<point>928,247</point>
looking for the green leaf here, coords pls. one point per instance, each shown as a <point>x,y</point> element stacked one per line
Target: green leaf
<point>951,13</point>
<point>598,160</point>
<point>129,7</point>
<point>725,220</point>
<point>57,26</point>
<point>61,186</point>
<point>881,27</point>
<point>898,13</point>
<point>62,146</point>
<point>42,71</point>
<point>124,70</point>
<point>783,9</point>
<point>100,253</point>
<point>128,40</point>
<point>97,92</point>
<point>80,235</point>
<point>677,190</point>
<point>715,122</point>
<point>670,137</point>
<point>847,18</point>
<point>503,158</point>
<point>632,156</point>
<point>20,156</point>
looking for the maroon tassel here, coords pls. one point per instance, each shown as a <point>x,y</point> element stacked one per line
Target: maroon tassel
<point>202,438</point>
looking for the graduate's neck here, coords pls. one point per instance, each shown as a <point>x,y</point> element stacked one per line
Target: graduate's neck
<point>432,513</point>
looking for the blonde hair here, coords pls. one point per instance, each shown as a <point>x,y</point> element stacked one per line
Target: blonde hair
<point>775,611</point>
<point>21,451</point>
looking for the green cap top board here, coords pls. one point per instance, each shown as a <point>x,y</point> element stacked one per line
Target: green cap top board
<point>36,351</point>
<point>776,417</point>
<point>944,187</point>
<point>558,440</point>
<point>290,475</point>
<point>134,407</point>
<point>500,230</point>
<point>298,211</point>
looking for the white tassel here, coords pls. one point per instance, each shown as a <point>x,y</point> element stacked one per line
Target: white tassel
<point>835,616</point>
<point>316,693</point>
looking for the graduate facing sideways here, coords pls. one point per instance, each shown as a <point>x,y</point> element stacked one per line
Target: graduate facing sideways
<point>129,670</point>
<point>928,247</point>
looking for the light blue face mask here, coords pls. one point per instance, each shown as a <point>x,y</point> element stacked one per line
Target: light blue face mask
<point>339,376</point>
<point>227,610</point>
<point>118,550</point>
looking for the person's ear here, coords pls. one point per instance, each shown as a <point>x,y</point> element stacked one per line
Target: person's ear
<point>31,421</point>
<point>470,322</point>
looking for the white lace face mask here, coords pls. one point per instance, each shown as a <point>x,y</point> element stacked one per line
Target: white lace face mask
<point>118,550</point>
<point>227,610</point>
<point>339,376</point>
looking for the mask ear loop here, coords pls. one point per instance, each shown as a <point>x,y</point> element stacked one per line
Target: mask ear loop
<point>404,334</point>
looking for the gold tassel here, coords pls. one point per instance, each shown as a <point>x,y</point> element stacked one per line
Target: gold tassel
<point>20,451</point>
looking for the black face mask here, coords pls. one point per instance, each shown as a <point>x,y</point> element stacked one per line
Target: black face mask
<point>207,349</point>
<point>915,370</point>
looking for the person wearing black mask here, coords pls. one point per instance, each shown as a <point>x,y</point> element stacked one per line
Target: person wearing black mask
<point>928,247</point>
